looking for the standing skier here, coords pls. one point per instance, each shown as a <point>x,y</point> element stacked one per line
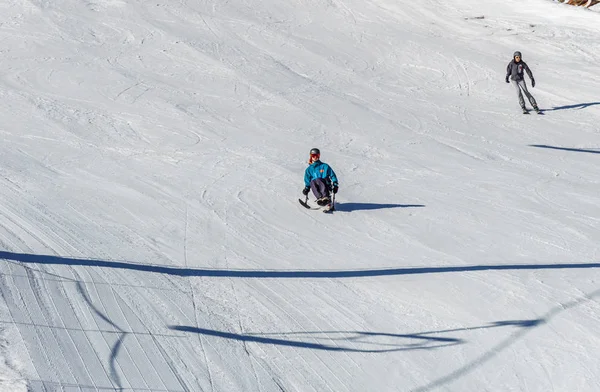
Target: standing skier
<point>515,70</point>
<point>319,177</point>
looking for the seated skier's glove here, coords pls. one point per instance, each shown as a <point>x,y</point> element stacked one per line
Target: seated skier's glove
<point>335,188</point>
<point>305,191</point>
<point>532,82</point>
<point>507,80</point>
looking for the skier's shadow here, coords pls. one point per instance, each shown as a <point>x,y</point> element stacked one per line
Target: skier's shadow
<point>349,207</point>
<point>575,106</point>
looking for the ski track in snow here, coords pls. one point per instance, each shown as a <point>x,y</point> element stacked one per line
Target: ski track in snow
<point>163,145</point>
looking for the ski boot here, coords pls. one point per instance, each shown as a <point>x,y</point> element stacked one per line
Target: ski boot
<point>322,201</point>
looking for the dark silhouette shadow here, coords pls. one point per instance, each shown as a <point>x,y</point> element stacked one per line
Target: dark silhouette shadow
<point>270,274</point>
<point>358,335</point>
<point>366,339</point>
<point>591,151</point>
<point>348,207</point>
<point>425,342</point>
<point>577,106</point>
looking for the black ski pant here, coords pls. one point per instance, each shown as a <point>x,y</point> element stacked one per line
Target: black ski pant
<point>520,85</point>
<point>320,187</point>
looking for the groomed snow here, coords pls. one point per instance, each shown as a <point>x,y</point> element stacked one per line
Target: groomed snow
<point>153,152</point>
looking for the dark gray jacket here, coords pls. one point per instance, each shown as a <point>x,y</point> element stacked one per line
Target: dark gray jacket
<point>516,70</point>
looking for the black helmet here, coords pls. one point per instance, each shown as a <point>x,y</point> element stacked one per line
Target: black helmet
<point>517,53</point>
<point>315,151</point>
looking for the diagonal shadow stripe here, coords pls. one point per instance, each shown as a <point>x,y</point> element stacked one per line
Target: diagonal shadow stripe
<point>588,150</point>
<point>529,325</point>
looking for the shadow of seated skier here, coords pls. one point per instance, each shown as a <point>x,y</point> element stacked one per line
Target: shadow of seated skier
<point>320,178</point>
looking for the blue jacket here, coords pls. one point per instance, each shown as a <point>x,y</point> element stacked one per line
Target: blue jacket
<point>319,169</point>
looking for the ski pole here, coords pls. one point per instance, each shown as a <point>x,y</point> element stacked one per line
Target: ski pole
<point>333,201</point>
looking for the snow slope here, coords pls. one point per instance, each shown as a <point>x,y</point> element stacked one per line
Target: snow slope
<point>151,158</point>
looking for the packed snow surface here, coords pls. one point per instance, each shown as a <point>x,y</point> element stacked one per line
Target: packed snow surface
<point>153,153</point>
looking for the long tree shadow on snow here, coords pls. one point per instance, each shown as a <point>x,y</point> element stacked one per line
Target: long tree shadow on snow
<point>355,341</point>
<point>577,106</point>
<point>359,335</point>
<point>588,150</point>
<point>348,207</point>
<point>369,342</point>
<point>502,345</point>
<point>283,274</point>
